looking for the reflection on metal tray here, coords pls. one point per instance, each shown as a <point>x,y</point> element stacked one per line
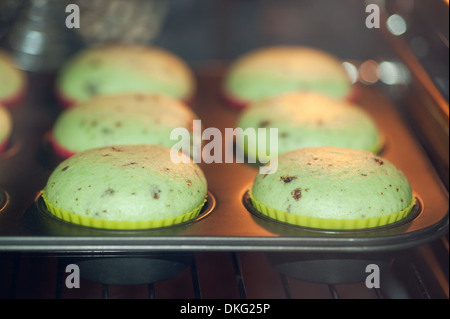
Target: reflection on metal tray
<point>229,225</point>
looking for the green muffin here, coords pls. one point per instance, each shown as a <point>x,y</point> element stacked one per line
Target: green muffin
<point>5,128</point>
<point>124,69</point>
<point>12,81</point>
<point>120,119</point>
<point>271,71</point>
<point>306,119</point>
<point>125,187</point>
<point>333,188</point>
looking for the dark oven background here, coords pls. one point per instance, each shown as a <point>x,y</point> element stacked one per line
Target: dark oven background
<point>208,35</point>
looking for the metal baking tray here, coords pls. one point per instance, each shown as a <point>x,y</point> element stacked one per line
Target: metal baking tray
<point>228,222</point>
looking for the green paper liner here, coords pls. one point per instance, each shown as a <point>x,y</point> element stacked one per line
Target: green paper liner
<point>120,225</point>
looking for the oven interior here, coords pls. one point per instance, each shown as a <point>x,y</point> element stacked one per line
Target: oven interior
<point>402,69</point>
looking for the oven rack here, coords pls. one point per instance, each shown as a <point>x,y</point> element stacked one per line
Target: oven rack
<point>418,273</point>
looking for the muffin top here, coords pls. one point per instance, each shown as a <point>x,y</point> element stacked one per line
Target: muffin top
<point>334,183</point>
<point>307,119</point>
<point>5,124</point>
<point>12,80</point>
<point>273,70</point>
<point>121,119</point>
<point>124,69</point>
<point>126,183</point>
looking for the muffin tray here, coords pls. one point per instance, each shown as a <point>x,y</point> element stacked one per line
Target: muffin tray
<point>228,221</point>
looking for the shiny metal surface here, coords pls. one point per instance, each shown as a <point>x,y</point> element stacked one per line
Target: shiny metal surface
<point>230,226</point>
<point>41,36</point>
<point>38,37</point>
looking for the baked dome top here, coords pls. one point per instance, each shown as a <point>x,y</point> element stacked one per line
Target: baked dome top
<point>334,183</point>
<point>126,183</point>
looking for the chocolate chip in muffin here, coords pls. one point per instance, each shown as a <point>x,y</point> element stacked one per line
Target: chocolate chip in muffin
<point>108,192</point>
<point>155,193</point>
<point>264,123</point>
<point>95,62</point>
<point>106,130</point>
<point>297,193</point>
<point>91,88</point>
<point>130,164</point>
<point>378,161</point>
<point>287,179</point>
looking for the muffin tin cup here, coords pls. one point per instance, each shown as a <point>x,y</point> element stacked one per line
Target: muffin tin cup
<point>328,223</point>
<point>125,269</point>
<point>119,225</point>
<point>64,223</point>
<point>231,225</point>
<point>331,269</point>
